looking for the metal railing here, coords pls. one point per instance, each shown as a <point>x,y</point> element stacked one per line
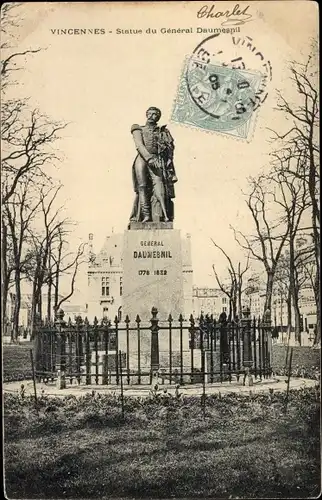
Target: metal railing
<point>175,351</point>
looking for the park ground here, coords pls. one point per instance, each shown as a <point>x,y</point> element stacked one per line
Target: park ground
<point>235,446</point>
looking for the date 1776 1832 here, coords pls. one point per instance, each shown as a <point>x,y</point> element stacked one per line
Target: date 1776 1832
<point>156,272</point>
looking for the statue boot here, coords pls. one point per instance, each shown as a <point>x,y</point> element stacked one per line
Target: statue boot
<point>144,205</point>
<point>134,214</point>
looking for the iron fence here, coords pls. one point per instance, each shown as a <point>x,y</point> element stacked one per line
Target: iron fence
<point>175,351</point>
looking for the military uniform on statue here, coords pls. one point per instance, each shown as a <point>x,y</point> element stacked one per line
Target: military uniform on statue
<point>153,171</point>
<point>152,252</point>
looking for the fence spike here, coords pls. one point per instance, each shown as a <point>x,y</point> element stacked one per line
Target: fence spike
<point>137,319</point>
<point>180,318</point>
<point>116,320</point>
<point>95,322</point>
<point>127,319</point>
<point>170,319</point>
<point>154,312</point>
<point>86,322</point>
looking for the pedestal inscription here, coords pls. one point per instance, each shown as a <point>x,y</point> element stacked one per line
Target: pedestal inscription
<point>152,273</point>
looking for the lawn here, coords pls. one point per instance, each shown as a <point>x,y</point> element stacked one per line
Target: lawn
<point>303,357</point>
<point>165,447</point>
<point>16,362</point>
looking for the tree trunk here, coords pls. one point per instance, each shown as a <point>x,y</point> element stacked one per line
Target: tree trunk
<point>56,297</point>
<point>317,337</point>
<point>240,307</point>
<point>316,234</point>
<point>49,285</point>
<point>4,302</point>
<point>297,316</point>
<point>230,310</point>
<point>269,294</point>
<point>39,303</point>
<point>289,310</point>
<point>49,300</point>
<point>281,311</point>
<point>4,279</point>
<point>294,292</point>
<point>16,312</point>
<point>33,308</point>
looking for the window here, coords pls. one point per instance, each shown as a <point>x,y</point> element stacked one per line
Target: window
<point>105,286</point>
<point>105,311</point>
<point>224,300</point>
<point>121,285</point>
<point>224,309</point>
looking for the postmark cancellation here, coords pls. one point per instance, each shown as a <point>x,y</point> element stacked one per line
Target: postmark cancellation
<point>217,98</point>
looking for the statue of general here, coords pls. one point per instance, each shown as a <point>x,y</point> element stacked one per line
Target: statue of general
<point>153,171</point>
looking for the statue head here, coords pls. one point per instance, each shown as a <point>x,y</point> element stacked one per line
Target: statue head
<point>153,114</point>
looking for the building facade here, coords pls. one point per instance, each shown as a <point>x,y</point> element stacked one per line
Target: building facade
<point>209,301</point>
<point>279,316</point>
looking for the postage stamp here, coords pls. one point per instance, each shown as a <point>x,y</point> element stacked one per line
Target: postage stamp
<point>222,85</point>
<point>218,99</point>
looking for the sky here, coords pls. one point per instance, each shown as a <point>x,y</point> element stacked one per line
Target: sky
<point>102,84</point>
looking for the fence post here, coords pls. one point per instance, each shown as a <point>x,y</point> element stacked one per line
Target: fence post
<point>154,346</point>
<point>38,346</point>
<point>121,378</point>
<point>60,324</point>
<point>247,342</point>
<point>192,346</point>
<point>224,353</point>
<point>88,360</point>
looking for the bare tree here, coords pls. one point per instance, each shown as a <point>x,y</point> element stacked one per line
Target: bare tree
<point>19,213</point>
<point>55,264</point>
<point>7,270</point>
<point>301,138</point>
<point>292,196</point>
<point>267,243</point>
<point>11,58</point>
<point>63,264</point>
<point>41,243</point>
<point>234,289</point>
<point>27,147</point>
<point>27,138</point>
<point>71,268</point>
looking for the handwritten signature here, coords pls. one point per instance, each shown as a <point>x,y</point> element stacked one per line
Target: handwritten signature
<point>234,17</point>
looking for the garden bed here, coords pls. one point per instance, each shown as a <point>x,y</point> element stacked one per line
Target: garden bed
<point>165,446</point>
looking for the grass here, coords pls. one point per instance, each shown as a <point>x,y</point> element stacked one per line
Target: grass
<point>303,357</point>
<point>17,365</point>
<point>244,447</point>
<point>16,362</point>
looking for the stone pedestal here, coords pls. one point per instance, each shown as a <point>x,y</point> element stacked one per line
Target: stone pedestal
<point>152,271</point>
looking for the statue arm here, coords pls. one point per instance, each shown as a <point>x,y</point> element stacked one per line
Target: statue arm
<point>168,137</point>
<point>170,143</point>
<point>139,144</point>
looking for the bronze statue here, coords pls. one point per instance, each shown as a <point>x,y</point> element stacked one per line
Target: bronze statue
<point>153,170</point>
